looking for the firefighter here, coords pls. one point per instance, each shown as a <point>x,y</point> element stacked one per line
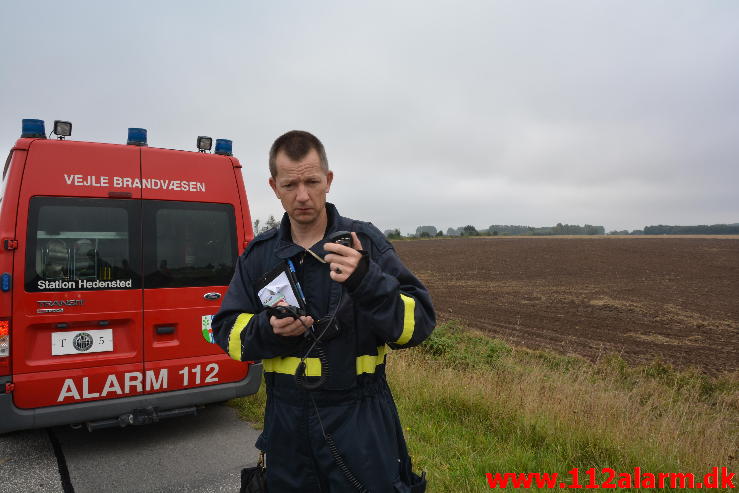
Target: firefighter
<point>330,423</point>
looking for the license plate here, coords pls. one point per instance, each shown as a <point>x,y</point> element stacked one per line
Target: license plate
<point>83,341</point>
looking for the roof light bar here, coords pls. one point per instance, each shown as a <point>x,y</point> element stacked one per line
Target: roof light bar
<point>224,147</point>
<point>137,137</point>
<point>33,129</point>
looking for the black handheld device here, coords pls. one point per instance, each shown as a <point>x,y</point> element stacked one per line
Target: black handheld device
<point>340,237</point>
<point>285,311</point>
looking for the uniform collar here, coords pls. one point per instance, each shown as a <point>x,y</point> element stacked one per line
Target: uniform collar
<point>286,248</point>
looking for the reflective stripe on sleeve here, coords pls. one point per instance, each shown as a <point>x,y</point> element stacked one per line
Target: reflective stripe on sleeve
<point>368,363</point>
<point>234,338</point>
<point>409,319</point>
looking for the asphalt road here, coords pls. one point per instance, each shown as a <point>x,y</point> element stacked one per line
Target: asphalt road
<point>202,453</point>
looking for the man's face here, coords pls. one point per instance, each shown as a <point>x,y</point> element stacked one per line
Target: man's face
<point>301,186</point>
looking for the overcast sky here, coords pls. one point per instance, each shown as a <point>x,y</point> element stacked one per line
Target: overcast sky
<point>621,114</point>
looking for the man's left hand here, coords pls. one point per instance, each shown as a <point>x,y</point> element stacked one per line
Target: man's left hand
<point>343,260</point>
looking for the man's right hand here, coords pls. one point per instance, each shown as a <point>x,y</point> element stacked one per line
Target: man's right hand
<point>289,327</point>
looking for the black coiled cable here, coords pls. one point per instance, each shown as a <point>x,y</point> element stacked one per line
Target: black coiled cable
<point>350,477</point>
<point>301,381</point>
<point>302,367</point>
<point>343,467</point>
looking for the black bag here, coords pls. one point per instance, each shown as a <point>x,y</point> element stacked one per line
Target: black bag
<point>254,479</point>
<point>416,485</point>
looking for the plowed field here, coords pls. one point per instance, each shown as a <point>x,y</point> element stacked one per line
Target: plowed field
<point>672,298</point>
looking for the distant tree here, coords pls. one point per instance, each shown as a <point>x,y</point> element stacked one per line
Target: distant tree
<point>469,230</point>
<point>270,223</point>
<point>507,229</point>
<point>452,232</point>
<point>256,226</point>
<point>439,233</point>
<point>494,233</point>
<point>393,234</point>
<point>431,230</point>
<point>424,234</point>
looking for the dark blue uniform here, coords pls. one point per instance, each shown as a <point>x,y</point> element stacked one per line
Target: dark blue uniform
<point>388,309</point>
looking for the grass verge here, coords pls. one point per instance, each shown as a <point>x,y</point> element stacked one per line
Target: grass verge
<point>472,405</point>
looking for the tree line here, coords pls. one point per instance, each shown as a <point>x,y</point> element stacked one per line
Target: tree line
<point>713,229</point>
<point>520,230</point>
<point>564,229</point>
<point>500,230</point>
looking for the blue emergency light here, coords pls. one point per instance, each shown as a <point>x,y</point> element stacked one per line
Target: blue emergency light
<point>137,137</point>
<point>224,147</point>
<point>33,129</point>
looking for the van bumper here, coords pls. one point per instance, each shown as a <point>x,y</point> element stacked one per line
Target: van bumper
<point>13,418</point>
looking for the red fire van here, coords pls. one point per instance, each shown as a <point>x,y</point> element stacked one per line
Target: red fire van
<point>113,260</point>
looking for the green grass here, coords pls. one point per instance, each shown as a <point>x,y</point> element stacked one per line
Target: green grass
<point>471,405</point>
<point>251,408</point>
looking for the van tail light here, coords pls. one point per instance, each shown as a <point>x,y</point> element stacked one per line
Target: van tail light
<point>5,347</point>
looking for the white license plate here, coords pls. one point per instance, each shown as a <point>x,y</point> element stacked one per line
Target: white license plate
<point>83,341</point>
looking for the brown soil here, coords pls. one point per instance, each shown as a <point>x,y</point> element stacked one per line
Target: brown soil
<point>676,299</point>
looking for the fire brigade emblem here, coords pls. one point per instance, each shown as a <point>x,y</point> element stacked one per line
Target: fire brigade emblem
<point>82,342</point>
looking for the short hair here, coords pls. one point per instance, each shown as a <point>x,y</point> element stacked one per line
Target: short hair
<point>296,144</point>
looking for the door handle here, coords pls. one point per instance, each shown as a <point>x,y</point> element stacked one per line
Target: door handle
<point>166,329</point>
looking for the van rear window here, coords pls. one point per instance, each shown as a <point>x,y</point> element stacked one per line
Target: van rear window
<point>82,244</point>
<point>188,244</point>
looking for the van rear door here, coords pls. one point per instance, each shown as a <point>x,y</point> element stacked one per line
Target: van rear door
<point>77,314</point>
<point>191,229</point>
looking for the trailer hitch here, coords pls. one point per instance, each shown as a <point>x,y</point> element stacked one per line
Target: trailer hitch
<point>139,417</point>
